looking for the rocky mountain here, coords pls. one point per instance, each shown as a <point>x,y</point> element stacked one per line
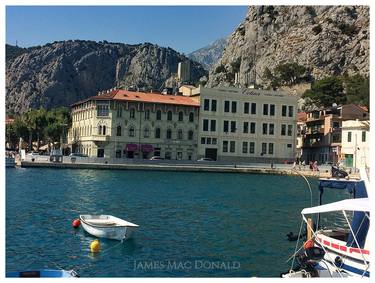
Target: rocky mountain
<point>61,73</point>
<point>210,54</point>
<point>327,40</point>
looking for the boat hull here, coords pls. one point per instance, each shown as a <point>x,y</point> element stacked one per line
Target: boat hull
<point>41,273</point>
<point>114,232</point>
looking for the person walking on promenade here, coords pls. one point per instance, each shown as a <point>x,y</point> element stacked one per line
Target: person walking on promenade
<point>315,166</point>
<point>311,165</point>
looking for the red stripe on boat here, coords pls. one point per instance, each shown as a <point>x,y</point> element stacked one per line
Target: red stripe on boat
<point>343,248</point>
<point>335,246</point>
<point>326,243</point>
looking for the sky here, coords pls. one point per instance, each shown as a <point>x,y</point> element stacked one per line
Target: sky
<point>183,28</point>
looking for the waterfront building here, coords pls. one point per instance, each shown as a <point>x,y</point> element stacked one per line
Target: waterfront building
<point>322,140</point>
<point>183,71</point>
<point>301,131</point>
<point>247,125</point>
<point>355,151</point>
<point>189,90</point>
<point>121,123</point>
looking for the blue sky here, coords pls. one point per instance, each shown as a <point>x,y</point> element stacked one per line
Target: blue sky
<point>183,28</point>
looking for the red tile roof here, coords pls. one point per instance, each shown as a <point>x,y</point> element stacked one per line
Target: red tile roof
<point>125,95</point>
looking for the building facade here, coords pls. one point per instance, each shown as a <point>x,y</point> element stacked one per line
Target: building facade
<point>355,151</point>
<point>127,124</point>
<point>247,125</point>
<point>323,136</point>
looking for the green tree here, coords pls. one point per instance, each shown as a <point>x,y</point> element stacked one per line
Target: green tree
<point>290,73</point>
<point>358,90</point>
<point>325,92</point>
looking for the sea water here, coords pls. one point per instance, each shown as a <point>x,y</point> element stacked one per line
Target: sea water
<point>191,224</point>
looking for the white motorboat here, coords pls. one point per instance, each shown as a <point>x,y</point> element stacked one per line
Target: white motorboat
<point>107,226</point>
<point>338,251</point>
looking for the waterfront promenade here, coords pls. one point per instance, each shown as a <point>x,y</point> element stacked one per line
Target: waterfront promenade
<point>174,165</point>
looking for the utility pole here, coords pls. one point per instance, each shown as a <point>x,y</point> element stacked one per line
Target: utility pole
<point>355,153</point>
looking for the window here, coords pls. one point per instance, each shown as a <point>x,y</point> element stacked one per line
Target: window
<point>363,136</point>
<point>119,111</point>
<point>271,129</point>
<point>252,147</point>
<point>349,136</point>
<point>169,134</point>
<point>290,111</point>
<point>234,106</point>
<point>132,113</point>
<point>283,110</point>
<point>205,125</point>
<point>213,126</point>
<point>232,146</point>
<point>203,140</point>
<point>191,117</point>
<point>233,126</point>
<point>270,148</point>
<point>253,108</point>
<point>214,140</point>
<point>245,127</point>
<point>252,128</point>
<point>290,130</point>
<point>180,116</point>
<point>208,140</point>
<point>118,131</point>
<point>213,104</point>
<point>147,114</point>
<point>146,132</point>
<point>244,147</point>
<point>131,132</point>
<point>264,148</point>
<point>226,127</point>
<point>99,130</point>
<point>246,108</point>
<point>102,109</point>
<point>206,105</point>
<point>157,133</point>
<point>289,145</point>
<point>272,109</point>
<point>225,146</point>
<point>169,116</point>
<point>104,128</point>
<point>190,135</point>
<point>335,125</point>
<point>265,109</point>
<point>226,106</point>
<point>179,134</point>
<point>265,128</point>
<point>158,115</point>
<point>283,129</point>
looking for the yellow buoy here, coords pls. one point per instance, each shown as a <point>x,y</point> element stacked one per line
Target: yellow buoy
<point>95,246</point>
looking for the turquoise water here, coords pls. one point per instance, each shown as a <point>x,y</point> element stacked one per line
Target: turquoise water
<point>191,224</point>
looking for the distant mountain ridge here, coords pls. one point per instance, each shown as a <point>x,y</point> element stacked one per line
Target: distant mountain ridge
<point>61,73</point>
<point>210,54</point>
<point>326,40</point>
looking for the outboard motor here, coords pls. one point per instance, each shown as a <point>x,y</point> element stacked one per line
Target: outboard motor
<point>337,173</point>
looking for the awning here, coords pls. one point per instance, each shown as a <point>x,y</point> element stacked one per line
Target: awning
<point>131,147</point>
<point>359,204</point>
<point>147,148</point>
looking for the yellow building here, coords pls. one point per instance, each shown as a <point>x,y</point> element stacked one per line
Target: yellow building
<point>126,124</point>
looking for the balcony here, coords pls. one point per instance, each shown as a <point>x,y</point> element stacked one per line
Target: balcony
<point>95,138</point>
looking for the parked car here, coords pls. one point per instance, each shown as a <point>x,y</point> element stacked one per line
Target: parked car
<point>156,158</point>
<point>33,153</point>
<point>205,159</point>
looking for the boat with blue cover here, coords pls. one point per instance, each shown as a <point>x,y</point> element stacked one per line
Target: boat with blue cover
<point>342,251</point>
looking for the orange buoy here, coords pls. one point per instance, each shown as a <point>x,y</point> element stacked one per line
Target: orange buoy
<point>308,244</point>
<point>76,223</point>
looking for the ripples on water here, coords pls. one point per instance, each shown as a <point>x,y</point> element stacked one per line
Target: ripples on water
<point>183,217</point>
